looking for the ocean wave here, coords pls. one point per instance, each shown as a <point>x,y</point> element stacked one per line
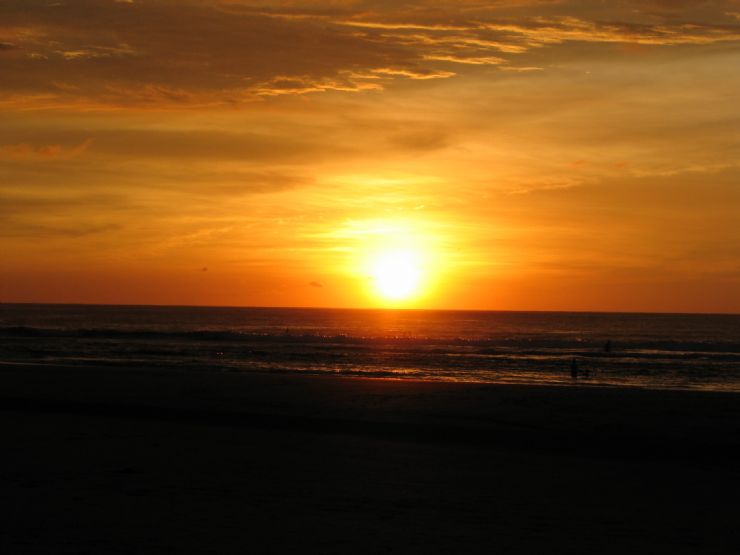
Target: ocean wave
<point>658,351</point>
<point>503,345</point>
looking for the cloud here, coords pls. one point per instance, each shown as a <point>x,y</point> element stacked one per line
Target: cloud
<point>99,53</point>
<point>414,73</point>
<point>401,26</point>
<point>285,85</point>
<point>521,69</point>
<point>471,60</point>
<point>92,53</point>
<point>543,31</point>
<point>206,145</point>
<point>25,151</point>
<point>30,215</point>
<point>30,230</point>
<point>241,183</point>
<point>422,141</point>
<point>152,144</point>
<point>316,284</point>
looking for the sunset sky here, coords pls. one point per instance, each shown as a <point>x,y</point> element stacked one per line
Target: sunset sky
<point>522,154</point>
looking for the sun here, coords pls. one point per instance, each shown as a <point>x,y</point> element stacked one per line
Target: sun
<point>397,274</point>
<point>396,262</point>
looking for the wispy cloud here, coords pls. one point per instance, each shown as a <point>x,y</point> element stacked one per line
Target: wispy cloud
<point>543,31</point>
<point>40,152</point>
<point>303,84</point>
<point>98,53</point>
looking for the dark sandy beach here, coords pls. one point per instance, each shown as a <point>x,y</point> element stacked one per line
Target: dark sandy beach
<point>127,460</point>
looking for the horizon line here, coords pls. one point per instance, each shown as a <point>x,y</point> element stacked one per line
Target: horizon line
<point>145,305</point>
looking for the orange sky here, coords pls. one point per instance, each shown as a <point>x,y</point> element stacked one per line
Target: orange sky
<point>535,154</point>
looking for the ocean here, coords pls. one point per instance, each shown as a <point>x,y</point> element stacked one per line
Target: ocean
<point>655,351</point>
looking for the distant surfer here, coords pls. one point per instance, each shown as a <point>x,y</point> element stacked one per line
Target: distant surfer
<point>608,346</point>
<point>574,368</point>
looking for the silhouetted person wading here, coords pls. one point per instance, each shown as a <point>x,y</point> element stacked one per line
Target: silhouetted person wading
<point>574,368</point>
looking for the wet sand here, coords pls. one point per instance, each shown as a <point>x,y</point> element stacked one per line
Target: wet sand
<point>136,460</point>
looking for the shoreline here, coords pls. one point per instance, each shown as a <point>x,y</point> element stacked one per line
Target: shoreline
<point>580,383</point>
